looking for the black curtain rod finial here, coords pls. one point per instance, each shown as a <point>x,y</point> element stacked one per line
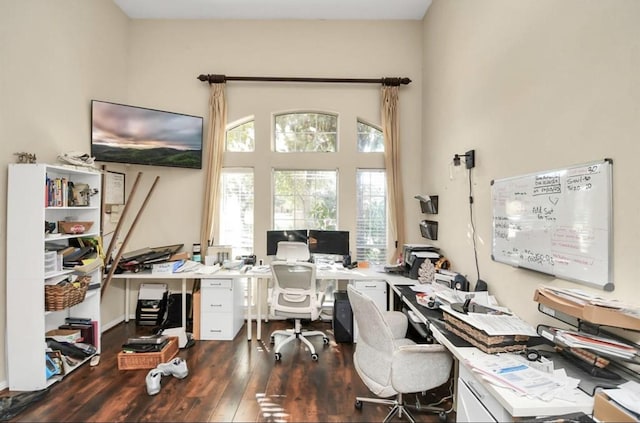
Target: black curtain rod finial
<point>395,82</point>
<point>212,79</point>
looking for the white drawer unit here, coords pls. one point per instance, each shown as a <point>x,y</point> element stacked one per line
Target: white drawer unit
<point>377,291</point>
<point>221,308</point>
<point>475,403</point>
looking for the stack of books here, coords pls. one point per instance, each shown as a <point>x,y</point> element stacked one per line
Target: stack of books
<point>144,344</point>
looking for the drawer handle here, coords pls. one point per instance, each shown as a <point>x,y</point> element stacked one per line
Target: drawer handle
<point>216,305</point>
<point>474,390</point>
<point>216,330</point>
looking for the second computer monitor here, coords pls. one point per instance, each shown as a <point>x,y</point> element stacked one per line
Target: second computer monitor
<point>273,237</point>
<point>329,242</point>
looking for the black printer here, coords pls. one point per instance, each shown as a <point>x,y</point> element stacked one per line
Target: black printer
<point>414,255</point>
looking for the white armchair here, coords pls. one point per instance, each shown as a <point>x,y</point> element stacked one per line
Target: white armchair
<point>391,365</point>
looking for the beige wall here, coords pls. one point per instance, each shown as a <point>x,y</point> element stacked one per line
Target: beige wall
<point>530,85</point>
<point>54,58</point>
<point>167,56</point>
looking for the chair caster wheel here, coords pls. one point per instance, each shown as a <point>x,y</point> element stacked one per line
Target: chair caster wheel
<point>325,341</point>
<point>442,416</point>
<point>278,356</point>
<point>358,405</point>
<point>314,357</point>
<point>273,339</point>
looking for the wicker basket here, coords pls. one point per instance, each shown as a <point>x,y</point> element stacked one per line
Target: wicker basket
<point>134,361</point>
<point>60,297</point>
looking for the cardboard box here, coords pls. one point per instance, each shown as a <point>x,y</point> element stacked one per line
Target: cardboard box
<point>64,335</point>
<point>590,313</point>
<point>606,410</point>
<point>181,255</point>
<point>167,267</point>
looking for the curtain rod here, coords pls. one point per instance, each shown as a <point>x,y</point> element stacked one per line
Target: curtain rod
<point>217,79</point>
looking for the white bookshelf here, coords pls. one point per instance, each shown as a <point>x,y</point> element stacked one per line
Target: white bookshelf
<point>27,320</point>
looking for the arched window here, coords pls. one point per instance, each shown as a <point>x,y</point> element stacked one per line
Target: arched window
<point>306,132</point>
<point>240,137</point>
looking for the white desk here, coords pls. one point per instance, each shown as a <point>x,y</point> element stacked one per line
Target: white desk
<point>259,278</point>
<point>128,276</point>
<point>339,274</point>
<point>503,403</point>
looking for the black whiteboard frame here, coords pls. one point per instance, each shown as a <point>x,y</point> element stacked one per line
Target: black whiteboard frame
<point>608,285</point>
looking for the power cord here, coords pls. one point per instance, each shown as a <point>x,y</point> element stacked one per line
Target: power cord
<point>473,226</point>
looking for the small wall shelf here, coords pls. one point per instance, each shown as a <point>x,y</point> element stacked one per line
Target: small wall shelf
<point>428,204</point>
<point>429,229</point>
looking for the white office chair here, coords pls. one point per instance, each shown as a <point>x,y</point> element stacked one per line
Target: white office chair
<point>390,364</point>
<point>295,295</point>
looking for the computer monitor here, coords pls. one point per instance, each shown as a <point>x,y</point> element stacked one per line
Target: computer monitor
<point>273,237</point>
<point>329,242</point>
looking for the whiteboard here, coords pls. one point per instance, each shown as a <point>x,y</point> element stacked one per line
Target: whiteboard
<point>558,222</point>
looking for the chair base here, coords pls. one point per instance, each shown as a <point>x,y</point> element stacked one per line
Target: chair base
<point>297,333</point>
<point>399,407</point>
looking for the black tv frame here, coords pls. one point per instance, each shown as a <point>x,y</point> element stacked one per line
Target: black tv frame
<point>126,134</point>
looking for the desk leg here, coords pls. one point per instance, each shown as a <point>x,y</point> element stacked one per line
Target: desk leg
<point>259,318</point>
<point>184,304</point>
<point>249,306</point>
<point>127,299</point>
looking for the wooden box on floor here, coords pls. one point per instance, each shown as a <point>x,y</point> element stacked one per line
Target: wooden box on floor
<point>135,361</point>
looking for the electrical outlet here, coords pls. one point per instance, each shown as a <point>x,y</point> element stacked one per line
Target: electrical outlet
<point>470,159</point>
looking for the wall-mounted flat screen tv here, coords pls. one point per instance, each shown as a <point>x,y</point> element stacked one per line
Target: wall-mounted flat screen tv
<point>137,135</point>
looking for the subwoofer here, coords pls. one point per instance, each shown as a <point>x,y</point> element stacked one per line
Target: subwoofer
<point>342,318</point>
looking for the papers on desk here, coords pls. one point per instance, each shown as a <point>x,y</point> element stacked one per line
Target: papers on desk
<point>508,371</point>
<point>627,395</point>
<point>598,344</point>
<point>261,269</point>
<point>207,270</point>
<point>494,324</point>
<point>447,295</point>
<point>583,298</point>
<point>191,266</point>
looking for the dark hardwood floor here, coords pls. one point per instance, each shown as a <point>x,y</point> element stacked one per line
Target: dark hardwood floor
<point>228,381</point>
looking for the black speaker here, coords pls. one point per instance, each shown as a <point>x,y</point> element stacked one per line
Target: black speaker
<point>460,283</point>
<point>481,286</point>
<point>342,318</point>
<point>174,311</point>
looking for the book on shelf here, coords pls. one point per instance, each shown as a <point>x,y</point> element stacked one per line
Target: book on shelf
<point>79,320</point>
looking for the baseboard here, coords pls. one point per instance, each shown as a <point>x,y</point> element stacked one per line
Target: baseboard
<point>115,322</point>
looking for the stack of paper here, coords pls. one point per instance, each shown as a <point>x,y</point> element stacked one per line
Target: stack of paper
<point>507,371</point>
<point>494,324</point>
<point>602,345</point>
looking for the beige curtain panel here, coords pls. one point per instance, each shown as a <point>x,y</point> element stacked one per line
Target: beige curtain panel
<point>215,149</point>
<point>395,192</point>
